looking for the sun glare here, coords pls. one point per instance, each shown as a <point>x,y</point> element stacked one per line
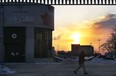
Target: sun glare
<point>76,38</point>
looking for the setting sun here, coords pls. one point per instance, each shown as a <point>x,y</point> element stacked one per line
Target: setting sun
<point>76,38</point>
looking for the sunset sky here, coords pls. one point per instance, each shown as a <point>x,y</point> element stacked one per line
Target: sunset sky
<point>82,24</point>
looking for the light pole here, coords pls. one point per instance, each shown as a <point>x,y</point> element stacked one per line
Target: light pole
<point>99,44</point>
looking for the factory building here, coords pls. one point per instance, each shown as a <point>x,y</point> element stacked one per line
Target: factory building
<point>88,49</point>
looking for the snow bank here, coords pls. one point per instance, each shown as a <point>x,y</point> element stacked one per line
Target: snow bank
<point>6,70</point>
<point>102,60</point>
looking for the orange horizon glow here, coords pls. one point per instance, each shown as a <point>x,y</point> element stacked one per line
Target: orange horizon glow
<point>89,26</point>
<point>83,36</point>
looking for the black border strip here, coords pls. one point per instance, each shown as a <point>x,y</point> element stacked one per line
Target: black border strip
<point>60,2</point>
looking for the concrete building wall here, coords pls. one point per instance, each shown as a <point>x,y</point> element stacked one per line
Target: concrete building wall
<point>29,51</point>
<point>1,42</point>
<point>1,34</point>
<point>25,15</point>
<point>28,17</point>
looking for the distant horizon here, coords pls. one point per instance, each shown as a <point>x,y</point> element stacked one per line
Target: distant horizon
<point>91,23</point>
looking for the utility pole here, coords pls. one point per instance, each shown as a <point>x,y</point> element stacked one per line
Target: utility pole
<point>99,44</point>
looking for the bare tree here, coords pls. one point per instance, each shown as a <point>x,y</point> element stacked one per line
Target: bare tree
<point>110,44</point>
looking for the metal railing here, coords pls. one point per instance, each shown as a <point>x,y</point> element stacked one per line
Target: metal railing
<point>62,2</point>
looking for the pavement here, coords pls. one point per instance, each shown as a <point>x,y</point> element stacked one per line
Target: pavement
<point>61,69</point>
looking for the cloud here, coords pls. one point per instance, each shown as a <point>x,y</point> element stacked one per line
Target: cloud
<point>101,23</point>
<point>108,21</point>
<point>109,16</point>
<point>103,26</point>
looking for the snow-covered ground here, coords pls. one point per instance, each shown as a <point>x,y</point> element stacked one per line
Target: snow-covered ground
<point>6,70</point>
<point>102,60</point>
<point>99,60</point>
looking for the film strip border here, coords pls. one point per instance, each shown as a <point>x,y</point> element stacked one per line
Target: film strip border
<point>62,2</point>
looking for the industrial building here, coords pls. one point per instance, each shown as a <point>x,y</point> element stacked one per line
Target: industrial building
<point>25,31</point>
<point>88,49</point>
<point>75,49</point>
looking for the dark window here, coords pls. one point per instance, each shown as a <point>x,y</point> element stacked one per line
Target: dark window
<point>43,42</point>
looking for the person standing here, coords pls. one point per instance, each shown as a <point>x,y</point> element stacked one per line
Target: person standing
<point>81,62</point>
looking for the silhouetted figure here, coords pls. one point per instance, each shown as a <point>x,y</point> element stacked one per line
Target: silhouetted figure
<point>81,62</point>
